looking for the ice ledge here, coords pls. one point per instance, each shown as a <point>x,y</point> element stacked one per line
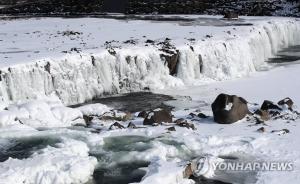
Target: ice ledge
<point>76,78</point>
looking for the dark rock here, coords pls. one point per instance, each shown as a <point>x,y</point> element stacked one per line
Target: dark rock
<point>268,105</point>
<point>47,67</point>
<point>287,101</point>
<point>96,131</point>
<point>142,114</point>
<point>228,109</point>
<point>172,60</point>
<point>116,125</point>
<point>93,60</point>
<point>158,117</point>
<point>171,129</point>
<point>184,123</point>
<point>274,113</point>
<point>192,48</point>
<point>131,125</point>
<point>74,49</point>
<point>150,41</point>
<point>87,119</point>
<point>201,115</point>
<point>180,120</point>
<point>201,63</point>
<point>192,115</point>
<point>134,42</point>
<point>281,132</point>
<point>263,114</point>
<point>261,130</point>
<point>111,51</point>
<point>258,121</point>
<point>70,33</point>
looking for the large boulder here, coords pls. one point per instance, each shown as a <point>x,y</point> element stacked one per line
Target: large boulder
<point>228,109</point>
<point>158,116</point>
<point>268,105</point>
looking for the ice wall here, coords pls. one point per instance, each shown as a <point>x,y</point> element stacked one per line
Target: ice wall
<point>80,77</point>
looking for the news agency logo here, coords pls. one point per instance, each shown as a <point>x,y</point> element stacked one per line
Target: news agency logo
<point>253,166</point>
<point>205,166</point>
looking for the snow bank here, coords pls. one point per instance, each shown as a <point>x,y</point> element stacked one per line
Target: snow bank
<point>94,109</point>
<point>232,51</point>
<point>68,163</point>
<point>39,113</point>
<point>166,172</point>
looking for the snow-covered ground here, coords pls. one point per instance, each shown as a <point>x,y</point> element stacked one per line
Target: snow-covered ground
<point>68,152</point>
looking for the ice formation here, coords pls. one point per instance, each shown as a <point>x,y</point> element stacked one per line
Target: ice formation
<point>76,78</point>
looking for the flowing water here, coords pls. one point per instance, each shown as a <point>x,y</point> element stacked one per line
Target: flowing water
<point>286,55</point>
<point>23,148</point>
<point>134,102</point>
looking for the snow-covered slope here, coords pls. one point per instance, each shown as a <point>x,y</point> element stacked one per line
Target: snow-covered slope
<point>34,62</point>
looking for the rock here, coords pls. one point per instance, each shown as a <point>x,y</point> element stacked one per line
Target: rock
<point>263,114</point>
<point>142,114</point>
<point>172,60</point>
<point>158,117</point>
<point>131,125</point>
<point>171,129</point>
<point>184,123</point>
<point>47,67</point>
<point>87,119</point>
<point>261,130</point>
<point>70,33</point>
<point>111,51</point>
<point>281,132</point>
<point>150,41</point>
<point>201,115</point>
<point>116,116</point>
<point>274,113</point>
<point>188,171</point>
<point>268,105</point>
<point>115,126</point>
<point>96,131</point>
<point>228,109</point>
<point>288,102</point>
<point>192,115</point>
<point>258,121</point>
